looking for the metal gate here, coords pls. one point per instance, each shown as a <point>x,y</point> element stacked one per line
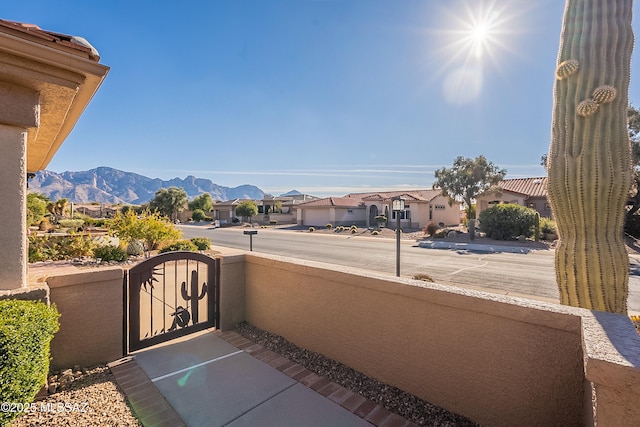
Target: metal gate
<point>171,295</point>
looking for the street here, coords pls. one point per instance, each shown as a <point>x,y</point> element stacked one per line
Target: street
<point>530,275</point>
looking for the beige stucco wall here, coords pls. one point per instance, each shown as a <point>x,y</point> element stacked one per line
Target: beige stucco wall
<point>497,360</point>
<point>90,303</point>
<point>19,111</point>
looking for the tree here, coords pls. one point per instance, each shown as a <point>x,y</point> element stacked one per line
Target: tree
<point>36,207</point>
<point>203,202</point>
<point>169,201</point>
<point>247,209</point>
<point>58,208</point>
<point>467,179</point>
<point>631,218</point>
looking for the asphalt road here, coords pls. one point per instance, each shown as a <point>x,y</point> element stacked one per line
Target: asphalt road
<point>530,275</point>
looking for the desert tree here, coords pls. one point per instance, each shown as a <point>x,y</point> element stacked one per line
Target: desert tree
<point>467,178</point>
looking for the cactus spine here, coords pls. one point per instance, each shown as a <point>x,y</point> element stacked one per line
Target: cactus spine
<point>589,160</point>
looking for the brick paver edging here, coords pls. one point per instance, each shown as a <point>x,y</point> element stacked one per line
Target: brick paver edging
<point>147,403</point>
<point>353,402</point>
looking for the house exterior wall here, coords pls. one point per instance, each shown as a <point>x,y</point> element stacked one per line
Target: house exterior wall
<point>314,217</point>
<point>500,361</point>
<point>90,304</point>
<point>19,111</point>
<point>349,216</point>
<point>484,202</point>
<point>442,212</point>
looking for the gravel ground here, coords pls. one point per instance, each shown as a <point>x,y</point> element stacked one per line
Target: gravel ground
<point>395,400</point>
<point>91,398</point>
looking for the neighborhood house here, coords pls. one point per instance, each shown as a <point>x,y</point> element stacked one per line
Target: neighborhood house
<point>529,192</point>
<point>361,209</point>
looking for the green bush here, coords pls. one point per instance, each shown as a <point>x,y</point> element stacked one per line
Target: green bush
<point>375,232</point>
<point>329,226</point>
<point>110,253</point>
<point>198,215</point>
<point>135,247</point>
<point>180,245</point>
<point>202,243</point>
<point>273,222</point>
<point>26,330</point>
<point>508,221</point>
<point>547,226</point>
<point>55,248</point>
<point>311,229</point>
<point>73,224</point>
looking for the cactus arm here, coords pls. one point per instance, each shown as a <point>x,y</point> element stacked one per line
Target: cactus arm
<point>204,291</point>
<point>589,159</point>
<point>183,291</point>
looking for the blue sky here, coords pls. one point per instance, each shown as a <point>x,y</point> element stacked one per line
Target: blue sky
<point>326,97</point>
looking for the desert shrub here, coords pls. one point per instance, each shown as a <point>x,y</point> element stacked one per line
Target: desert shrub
<point>431,228</point>
<point>312,229</point>
<point>423,277</point>
<point>202,243</point>
<point>547,226</point>
<point>55,248</point>
<point>110,253</point>
<point>273,222</point>
<point>507,221</point>
<point>72,224</point>
<point>198,215</point>
<point>95,222</point>
<point>45,225</point>
<point>36,208</point>
<point>353,230</point>
<point>26,330</point>
<point>329,226</point>
<point>375,232</point>
<point>440,234</point>
<point>152,228</point>
<point>180,245</point>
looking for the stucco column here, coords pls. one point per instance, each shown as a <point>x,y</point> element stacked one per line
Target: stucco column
<point>19,112</point>
<point>13,209</point>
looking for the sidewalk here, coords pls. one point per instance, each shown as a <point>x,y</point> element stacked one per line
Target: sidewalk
<point>223,379</point>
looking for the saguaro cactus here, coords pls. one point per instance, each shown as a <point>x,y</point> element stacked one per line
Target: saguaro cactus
<point>589,160</point>
<point>194,297</point>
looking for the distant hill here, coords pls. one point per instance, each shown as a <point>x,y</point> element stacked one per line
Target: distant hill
<point>292,193</point>
<point>108,185</point>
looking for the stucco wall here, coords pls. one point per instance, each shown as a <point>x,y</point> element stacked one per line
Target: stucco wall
<point>91,315</point>
<point>500,361</point>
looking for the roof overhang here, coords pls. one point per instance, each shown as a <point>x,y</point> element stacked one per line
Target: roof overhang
<point>65,80</point>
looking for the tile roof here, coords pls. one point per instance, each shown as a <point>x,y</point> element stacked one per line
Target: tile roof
<point>414,195</point>
<point>72,44</point>
<point>532,187</point>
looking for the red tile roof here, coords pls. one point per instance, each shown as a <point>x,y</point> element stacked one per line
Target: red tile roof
<point>72,44</point>
<point>414,195</point>
<point>532,187</point>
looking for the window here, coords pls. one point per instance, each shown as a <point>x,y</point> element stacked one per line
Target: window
<point>440,207</point>
<point>349,211</point>
<point>403,215</point>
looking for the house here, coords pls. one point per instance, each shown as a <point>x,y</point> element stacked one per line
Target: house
<point>421,207</point>
<point>529,192</point>
<point>332,210</point>
<point>46,81</point>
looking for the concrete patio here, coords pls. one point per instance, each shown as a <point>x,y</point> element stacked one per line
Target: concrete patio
<point>221,379</point>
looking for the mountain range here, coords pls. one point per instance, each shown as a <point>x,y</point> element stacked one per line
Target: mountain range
<point>108,185</point>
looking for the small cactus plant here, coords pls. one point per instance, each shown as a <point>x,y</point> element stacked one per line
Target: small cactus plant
<point>135,248</point>
<point>312,229</point>
<point>589,160</point>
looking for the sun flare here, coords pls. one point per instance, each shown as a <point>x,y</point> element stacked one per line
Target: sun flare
<point>476,35</point>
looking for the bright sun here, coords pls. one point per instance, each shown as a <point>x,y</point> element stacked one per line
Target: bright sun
<point>475,34</point>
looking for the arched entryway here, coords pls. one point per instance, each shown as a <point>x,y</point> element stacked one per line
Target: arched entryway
<point>373,213</point>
